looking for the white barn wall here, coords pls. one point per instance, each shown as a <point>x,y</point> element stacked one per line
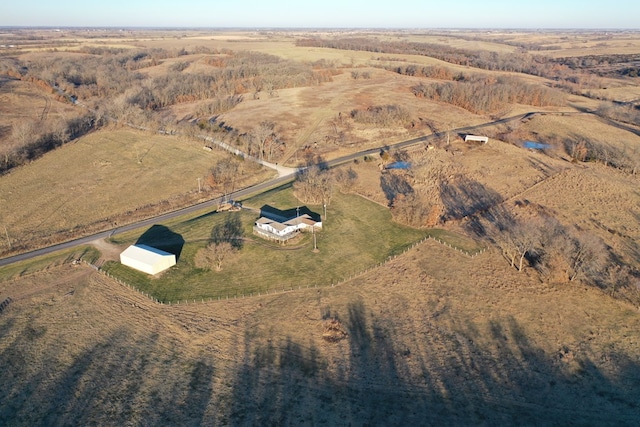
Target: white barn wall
<point>147,259</point>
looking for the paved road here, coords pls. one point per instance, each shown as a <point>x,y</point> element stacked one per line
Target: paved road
<point>148,222</point>
<point>240,193</point>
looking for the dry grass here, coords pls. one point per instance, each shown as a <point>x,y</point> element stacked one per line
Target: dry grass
<point>431,336</point>
<point>104,175</point>
<point>23,102</point>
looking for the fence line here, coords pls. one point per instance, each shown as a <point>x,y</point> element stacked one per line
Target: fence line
<point>291,288</point>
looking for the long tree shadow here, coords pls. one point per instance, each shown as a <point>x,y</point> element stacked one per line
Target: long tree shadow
<point>462,196</point>
<point>163,238</point>
<point>388,370</point>
<point>393,185</point>
<point>453,375</point>
<point>114,382</point>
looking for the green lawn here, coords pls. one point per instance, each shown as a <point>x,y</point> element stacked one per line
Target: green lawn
<point>357,235</point>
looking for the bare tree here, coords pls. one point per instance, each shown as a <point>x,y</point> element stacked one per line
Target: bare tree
<point>588,255</point>
<point>516,238</point>
<point>314,185</point>
<point>24,132</point>
<point>345,178</point>
<point>223,175</point>
<point>214,255</point>
<point>262,134</point>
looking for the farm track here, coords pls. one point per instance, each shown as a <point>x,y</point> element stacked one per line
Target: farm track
<point>46,109</point>
<point>302,139</point>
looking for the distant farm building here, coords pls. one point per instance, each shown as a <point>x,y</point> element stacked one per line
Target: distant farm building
<point>476,138</point>
<point>282,231</point>
<point>147,259</point>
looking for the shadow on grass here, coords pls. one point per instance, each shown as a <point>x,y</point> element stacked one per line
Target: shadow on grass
<point>453,375</point>
<point>106,384</point>
<point>161,237</point>
<point>444,371</point>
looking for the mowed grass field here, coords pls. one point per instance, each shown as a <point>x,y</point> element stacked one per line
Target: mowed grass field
<point>104,175</point>
<point>357,235</point>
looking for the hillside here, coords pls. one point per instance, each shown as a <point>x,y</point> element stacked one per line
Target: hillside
<point>432,335</point>
<point>527,314</point>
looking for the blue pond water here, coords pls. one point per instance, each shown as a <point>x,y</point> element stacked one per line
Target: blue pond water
<point>399,165</point>
<point>535,145</point>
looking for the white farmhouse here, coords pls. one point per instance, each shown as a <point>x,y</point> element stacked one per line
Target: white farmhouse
<point>283,231</point>
<point>147,259</point>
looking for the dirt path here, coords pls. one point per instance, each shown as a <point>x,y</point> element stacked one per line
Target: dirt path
<point>110,252</point>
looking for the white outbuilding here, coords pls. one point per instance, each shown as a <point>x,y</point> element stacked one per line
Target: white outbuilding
<point>147,259</point>
<point>476,138</point>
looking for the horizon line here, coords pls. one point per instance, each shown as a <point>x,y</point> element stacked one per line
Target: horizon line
<point>293,28</point>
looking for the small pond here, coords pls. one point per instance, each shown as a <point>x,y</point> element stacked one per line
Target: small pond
<point>399,165</point>
<point>535,145</point>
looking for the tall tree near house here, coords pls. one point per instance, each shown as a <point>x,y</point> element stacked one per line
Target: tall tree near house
<point>226,239</point>
<point>314,185</point>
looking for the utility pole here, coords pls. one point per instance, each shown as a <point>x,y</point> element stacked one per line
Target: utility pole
<point>315,245</point>
<point>325,210</point>
<point>198,184</point>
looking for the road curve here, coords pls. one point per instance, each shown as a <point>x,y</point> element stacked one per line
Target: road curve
<point>276,182</point>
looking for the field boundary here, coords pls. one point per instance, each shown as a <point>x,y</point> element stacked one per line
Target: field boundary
<point>238,295</point>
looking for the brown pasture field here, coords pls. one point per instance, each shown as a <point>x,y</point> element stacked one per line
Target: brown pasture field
<point>431,337</point>
<point>102,179</point>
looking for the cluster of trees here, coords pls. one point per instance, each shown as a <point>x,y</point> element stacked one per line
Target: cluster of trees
<point>108,73</point>
<point>621,64</point>
<point>314,185</point>
<point>430,71</point>
<point>487,95</point>
<point>382,115</point>
<point>562,254</point>
<point>31,140</point>
<point>360,75</point>
<point>503,40</point>
<point>218,105</point>
<point>626,158</point>
<point>110,80</point>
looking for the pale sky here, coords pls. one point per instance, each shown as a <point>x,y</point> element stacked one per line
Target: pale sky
<point>529,14</point>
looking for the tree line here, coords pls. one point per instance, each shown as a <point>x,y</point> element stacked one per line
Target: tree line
<point>519,62</point>
<point>31,142</point>
<point>482,95</point>
<point>112,83</point>
<point>108,73</point>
